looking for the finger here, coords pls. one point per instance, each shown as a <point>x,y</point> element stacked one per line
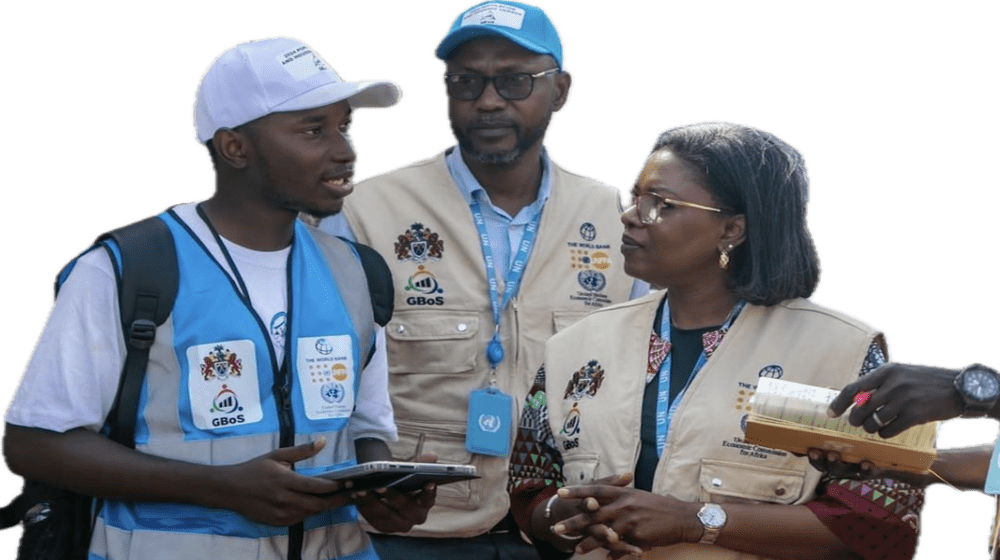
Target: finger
<point>622,479</point>
<point>313,484</point>
<point>408,506</point>
<point>817,459</point>
<point>861,414</point>
<point>294,454</point>
<point>846,397</point>
<point>879,419</point>
<point>905,420</point>
<point>378,513</point>
<point>603,494</point>
<point>426,458</point>
<point>588,544</point>
<point>574,525</point>
<point>427,495</point>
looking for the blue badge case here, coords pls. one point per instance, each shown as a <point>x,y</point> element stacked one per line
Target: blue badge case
<point>993,475</point>
<point>490,422</point>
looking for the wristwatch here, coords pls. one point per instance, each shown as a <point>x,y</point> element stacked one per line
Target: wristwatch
<point>980,389</point>
<point>713,519</point>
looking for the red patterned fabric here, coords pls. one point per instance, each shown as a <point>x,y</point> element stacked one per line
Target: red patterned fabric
<point>878,519</point>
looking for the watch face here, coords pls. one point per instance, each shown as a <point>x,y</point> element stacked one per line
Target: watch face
<point>712,517</point>
<point>980,385</point>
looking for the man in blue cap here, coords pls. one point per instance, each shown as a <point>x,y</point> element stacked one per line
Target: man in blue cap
<point>493,249</point>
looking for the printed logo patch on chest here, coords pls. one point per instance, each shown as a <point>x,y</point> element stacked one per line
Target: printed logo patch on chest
<point>222,384</point>
<point>419,244</point>
<point>424,287</point>
<point>326,376</point>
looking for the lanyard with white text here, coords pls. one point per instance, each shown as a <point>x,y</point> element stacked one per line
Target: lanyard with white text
<point>665,413</point>
<point>494,351</point>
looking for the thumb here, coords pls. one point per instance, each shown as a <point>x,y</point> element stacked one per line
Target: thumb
<point>426,458</point>
<point>294,454</point>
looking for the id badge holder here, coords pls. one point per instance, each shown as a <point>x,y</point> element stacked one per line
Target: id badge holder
<point>490,422</point>
<point>993,475</point>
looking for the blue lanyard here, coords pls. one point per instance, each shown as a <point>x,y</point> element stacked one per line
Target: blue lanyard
<point>664,408</point>
<point>494,351</point>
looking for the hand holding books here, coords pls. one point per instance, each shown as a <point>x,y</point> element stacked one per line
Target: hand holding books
<point>793,417</point>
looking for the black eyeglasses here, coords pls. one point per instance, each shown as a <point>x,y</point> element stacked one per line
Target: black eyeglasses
<point>512,87</point>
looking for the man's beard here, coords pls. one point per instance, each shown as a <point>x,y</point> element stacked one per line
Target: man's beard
<point>524,142</point>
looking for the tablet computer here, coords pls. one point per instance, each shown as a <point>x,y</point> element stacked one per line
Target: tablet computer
<point>399,475</point>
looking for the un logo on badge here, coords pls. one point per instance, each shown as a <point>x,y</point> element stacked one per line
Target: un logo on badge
<point>489,423</point>
<point>588,232</point>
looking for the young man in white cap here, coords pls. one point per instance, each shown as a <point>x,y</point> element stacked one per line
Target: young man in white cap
<point>493,249</point>
<point>235,413</point>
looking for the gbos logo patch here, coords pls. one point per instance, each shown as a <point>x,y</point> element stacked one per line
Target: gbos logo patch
<point>425,283</point>
<point>420,300</point>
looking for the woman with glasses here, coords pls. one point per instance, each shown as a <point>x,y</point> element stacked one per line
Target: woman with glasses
<point>657,389</point>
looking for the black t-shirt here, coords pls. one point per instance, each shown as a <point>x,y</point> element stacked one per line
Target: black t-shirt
<point>685,348</point>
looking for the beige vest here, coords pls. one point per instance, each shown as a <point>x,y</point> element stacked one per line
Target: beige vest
<point>417,219</point>
<point>705,458</point>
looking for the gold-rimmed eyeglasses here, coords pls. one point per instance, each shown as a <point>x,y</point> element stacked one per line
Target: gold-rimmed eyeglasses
<point>648,205</point>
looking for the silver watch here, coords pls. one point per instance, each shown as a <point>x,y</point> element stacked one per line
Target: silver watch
<point>713,519</point>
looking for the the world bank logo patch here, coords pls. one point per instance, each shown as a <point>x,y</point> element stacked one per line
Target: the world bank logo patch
<point>773,371</point>
<point>588,232</point>
<point>323,347</point>
<point>591,280</point>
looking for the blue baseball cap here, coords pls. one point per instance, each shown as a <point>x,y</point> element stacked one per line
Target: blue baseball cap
<point>522,24</point>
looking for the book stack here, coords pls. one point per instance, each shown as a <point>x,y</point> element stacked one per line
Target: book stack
<point>792,416</point>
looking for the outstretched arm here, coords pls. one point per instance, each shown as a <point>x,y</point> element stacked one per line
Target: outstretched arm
<point>903,396</point>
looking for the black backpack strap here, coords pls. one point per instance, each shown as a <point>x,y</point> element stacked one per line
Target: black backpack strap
<point>146,292</point>
<point>379,282</point>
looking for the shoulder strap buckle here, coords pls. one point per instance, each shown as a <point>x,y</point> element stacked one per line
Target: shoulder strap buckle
<point>141,333</point>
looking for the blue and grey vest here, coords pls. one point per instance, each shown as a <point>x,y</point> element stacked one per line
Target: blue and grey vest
<point>214,394</point>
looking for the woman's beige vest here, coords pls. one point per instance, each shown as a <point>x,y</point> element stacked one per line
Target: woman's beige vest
<point>417,219</point>
<point>595,376</point>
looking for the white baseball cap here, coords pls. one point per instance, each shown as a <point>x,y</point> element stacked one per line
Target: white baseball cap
<point>258,78</point>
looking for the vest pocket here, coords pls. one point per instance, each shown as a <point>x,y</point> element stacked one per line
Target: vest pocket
<point>728,482</point>
<point>447,441</point>
<point>580,468</point>
<point>432,341</point>
<point>563,319</point>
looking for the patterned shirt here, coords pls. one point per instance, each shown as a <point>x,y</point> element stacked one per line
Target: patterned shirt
<point>877,519</point>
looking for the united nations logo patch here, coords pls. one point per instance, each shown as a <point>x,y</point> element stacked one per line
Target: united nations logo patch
<point>585,382</point>
<point>332,393</point>
<point>591,280</point>
<point>773,371</point>
<point>419,244</point>
<point>588,232</point>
